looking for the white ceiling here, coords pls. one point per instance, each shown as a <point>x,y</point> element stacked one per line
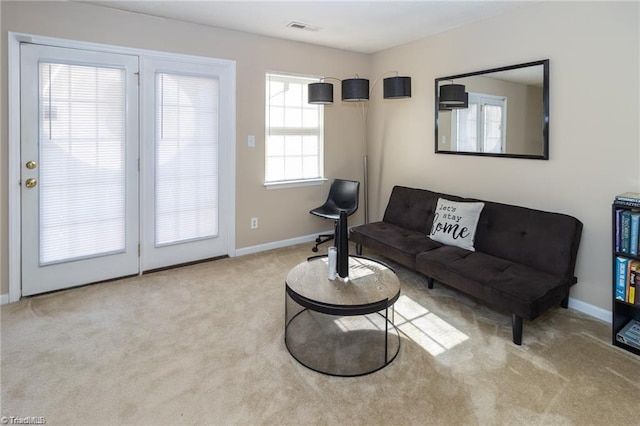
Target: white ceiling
<point>360,26</point>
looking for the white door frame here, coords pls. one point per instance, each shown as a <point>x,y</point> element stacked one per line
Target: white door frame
<point>13,90</point>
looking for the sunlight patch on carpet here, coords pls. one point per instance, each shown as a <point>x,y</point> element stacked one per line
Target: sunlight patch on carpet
<point>358,323</point>
<point>425,328</point>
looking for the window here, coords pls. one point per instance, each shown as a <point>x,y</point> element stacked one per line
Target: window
<point>480,127</point>
<point>82,160</point>
<point>294,136</point>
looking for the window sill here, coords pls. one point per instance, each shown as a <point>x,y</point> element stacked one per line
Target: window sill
<point>294,183</point>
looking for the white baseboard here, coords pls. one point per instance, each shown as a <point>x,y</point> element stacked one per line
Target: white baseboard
<point>279,244</point>
<point>590,310</point>
<point>578,305</point>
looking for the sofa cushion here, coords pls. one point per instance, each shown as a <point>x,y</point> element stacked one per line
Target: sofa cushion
<point>455,223</point>
<point>518,288</point>
<point>542,240</point>
<point>392,241</point>
<point>412,208</point>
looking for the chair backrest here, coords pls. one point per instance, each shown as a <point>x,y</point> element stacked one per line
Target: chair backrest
<point>345,194</point>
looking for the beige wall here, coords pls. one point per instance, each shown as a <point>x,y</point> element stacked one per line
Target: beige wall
<point>594,136</point>
<point>282,213</point>
<point>594,117</point>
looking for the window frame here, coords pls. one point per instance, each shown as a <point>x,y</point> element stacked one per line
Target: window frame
<point>293,131</point>
<point>480,100</point>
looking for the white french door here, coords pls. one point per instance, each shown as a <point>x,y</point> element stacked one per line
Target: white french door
<point>79,151</point>
<point>122,164</point>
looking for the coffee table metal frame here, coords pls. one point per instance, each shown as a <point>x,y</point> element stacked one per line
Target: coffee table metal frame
<point>346,310</point>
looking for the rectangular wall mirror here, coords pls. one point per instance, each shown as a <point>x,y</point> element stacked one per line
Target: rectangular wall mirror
<point>500,112</point>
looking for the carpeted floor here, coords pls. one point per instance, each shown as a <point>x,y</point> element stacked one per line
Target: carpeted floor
<point>204,344</point>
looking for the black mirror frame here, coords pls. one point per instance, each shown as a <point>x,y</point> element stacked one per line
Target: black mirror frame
<point>545,107</point>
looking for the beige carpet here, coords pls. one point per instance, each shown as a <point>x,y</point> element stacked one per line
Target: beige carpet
<point>204,345</point>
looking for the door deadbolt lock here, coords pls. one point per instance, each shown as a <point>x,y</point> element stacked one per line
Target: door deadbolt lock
<point>31,165</point>
<point>31,182</point>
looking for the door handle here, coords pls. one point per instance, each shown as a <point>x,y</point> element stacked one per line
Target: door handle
<point>31,182</point>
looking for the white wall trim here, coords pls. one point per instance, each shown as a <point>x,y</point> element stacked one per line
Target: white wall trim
<point>279,244</point>
<point>578,305</point>
<point>590,310</point>
<point>13,90</point>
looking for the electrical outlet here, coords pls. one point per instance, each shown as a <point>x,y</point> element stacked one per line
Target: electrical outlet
<point>251,141</point>
<point>254,223</point>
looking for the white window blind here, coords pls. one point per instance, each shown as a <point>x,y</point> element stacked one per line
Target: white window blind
<point>186,157</point>
<point>81,170</point>
<point>294,136</point>
<point>466,121</point>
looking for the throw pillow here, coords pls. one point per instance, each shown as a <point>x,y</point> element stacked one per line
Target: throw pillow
<point>455,223</point>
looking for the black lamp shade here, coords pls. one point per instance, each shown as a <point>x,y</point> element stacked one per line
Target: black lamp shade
<point>355,90</point>
<point>397,87</point>
<point>320,93</point>
<point>452,94</point>
<point>465,104</point>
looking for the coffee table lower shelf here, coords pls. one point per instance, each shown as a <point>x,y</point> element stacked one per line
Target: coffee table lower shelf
<point>342,346</point>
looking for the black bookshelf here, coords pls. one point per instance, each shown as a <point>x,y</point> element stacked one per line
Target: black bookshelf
<point>623,312</point>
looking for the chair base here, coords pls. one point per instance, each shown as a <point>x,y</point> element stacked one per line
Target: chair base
<point>323,238</point>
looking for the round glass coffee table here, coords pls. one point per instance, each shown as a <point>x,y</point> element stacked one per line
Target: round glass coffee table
<point>342,328</point>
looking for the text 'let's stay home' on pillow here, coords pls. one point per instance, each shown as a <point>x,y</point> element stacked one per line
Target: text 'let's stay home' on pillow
<point>454,223</point>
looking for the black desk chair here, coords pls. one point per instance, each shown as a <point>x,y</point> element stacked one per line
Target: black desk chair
<point>343,195</point>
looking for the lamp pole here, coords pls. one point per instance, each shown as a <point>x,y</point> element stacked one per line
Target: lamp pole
<point>365,166</point>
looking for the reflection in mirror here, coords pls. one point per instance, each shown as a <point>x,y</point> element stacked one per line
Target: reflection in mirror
<point>505,113</point>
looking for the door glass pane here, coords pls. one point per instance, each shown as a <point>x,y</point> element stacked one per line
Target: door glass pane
<point>82,170</point>
<point>186,155</point>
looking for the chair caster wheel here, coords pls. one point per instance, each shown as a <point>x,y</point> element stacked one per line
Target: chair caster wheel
<point>318,240</point>
<point>314,249</point>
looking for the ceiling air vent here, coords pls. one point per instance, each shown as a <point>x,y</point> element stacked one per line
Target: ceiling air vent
<point>301,26</point>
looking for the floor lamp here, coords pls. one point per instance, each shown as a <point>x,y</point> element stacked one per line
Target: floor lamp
<point>357,90</point>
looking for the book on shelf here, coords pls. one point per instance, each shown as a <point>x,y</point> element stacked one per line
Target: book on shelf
<point>622,274</point>
<point>633,233</point>
<point>629,196</point>
<point>630,204</point>
<point>625,231</point>
<point>618,222</point>
<point>618,236</point>
<point>634,280</point>
<point>630,334</point>
<point>634,270</point>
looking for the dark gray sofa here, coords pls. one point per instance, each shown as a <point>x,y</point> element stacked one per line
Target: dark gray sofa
<point>524,260</point>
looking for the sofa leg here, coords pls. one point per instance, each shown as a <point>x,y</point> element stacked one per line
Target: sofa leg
<point>429,282</point>
<point>565,302</point>
<point>516,326</point>
<point>359,249</point>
